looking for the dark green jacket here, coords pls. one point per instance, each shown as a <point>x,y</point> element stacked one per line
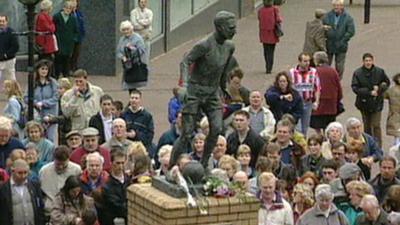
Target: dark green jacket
<point>339,35</point>
<point>66,33</point>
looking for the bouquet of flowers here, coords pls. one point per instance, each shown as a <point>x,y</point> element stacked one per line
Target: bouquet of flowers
<point>217,187</point>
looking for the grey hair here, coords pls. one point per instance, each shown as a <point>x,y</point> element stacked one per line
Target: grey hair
<point>320,57</point>
<point>352,121</point>
<point>31,145</point>
<point>46,5</point>
<point>394,218</point>
<point>94,155</point>
<point>125,24</point>
<point>323,191</point>
<point>222,16</point>
<point>332,125</point>
<point>118,120</point>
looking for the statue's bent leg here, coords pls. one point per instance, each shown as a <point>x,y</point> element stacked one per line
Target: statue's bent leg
<point>189,113</point>
<point>216,124</point>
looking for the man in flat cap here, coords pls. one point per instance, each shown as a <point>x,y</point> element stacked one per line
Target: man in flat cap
<point>21,199</point>
<point>74,139</point>
<point>90,144</point>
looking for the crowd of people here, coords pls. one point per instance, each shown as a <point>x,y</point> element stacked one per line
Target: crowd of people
<point>73,163</point>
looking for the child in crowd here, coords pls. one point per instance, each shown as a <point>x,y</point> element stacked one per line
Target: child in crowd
<point>117,108</point>
<point>198,146</point>
<point>174,105</point>
<point>164,156</point>
<point>244,157</point>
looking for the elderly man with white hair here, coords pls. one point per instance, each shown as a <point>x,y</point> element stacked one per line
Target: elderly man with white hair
<point>93,177</point>
<point>373,213</point>
<point>7,142</point>
<point>275,210</point>
<point>355,131</point>
<point>119,138</point>
<point>324,211</point>
<point>340,29</point>
<point>130,50</point>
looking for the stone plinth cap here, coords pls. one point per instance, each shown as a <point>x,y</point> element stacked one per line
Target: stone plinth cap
<point>164,201</point>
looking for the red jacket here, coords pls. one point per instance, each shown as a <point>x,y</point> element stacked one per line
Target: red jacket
<point>331,91</point>
<point>44,23</point>
<point>267,18</point>
<point>77,154</point>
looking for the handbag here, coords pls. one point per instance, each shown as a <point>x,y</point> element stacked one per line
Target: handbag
<point>278,27</point>
<point>340,108</point>
<point>134,69</point>
<point>137,73</point>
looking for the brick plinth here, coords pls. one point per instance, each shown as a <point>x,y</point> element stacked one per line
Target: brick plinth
<point>149,206</point>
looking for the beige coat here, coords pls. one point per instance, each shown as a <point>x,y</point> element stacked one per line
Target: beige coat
<point>80,110</point>
<point>64,213</point>
<point>315,39</point>
<point>393,119</point>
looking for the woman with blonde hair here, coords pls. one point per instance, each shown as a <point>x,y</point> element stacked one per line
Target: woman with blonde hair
<point>15,106</point>
<point>135,150</point>
<point>35,134</point>
<point>229,164</point>
<point>357,190</point>
<point>164,154</point>
<point>303,199</point>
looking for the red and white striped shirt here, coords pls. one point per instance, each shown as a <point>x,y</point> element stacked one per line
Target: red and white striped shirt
<point>306,82</point>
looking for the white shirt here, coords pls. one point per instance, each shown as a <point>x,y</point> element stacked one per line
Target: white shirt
<point>107,124</point>
<point>142,22</point>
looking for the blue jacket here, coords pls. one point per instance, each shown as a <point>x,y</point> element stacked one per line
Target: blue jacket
<point>48,95</point>
<point>6,149</point>
<point>339,35</point>
<point>174,106</point>
<point>45,147</point>
<point>142,123</point>
<point>280,106</point>
<point>81,25</point>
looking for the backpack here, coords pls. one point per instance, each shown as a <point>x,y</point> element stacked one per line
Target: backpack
<point>23,115</point>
